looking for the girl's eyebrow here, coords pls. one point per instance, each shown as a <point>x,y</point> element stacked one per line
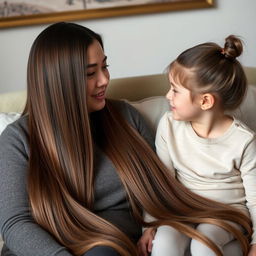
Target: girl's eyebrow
<point>95,64</point>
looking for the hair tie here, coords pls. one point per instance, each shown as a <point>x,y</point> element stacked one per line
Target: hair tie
<point>226,56</point>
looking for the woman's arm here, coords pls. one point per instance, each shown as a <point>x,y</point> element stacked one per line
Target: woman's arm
<point>19,231</point>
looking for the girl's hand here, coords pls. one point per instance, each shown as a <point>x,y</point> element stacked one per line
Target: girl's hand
<point>252,251</point>
<point>145,242</point>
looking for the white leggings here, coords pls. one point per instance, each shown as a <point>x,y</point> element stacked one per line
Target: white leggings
<point>170,242</point>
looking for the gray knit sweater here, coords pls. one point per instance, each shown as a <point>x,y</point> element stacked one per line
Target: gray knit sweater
<point>22,236</point>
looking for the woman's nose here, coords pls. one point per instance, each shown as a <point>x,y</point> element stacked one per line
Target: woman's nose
<point>103,79</point>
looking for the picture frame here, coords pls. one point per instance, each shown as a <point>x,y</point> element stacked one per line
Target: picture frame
<point>104,9</point>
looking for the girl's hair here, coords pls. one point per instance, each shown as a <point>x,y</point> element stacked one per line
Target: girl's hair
<point>210,68</point>
<point>61,175</point>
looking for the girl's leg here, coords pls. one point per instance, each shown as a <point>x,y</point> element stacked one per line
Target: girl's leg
<point>169,242</point>
<point>217,234</point>
<point>233,248</point>
<point>101,251</point>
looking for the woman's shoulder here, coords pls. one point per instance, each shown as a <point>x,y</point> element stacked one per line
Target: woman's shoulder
<point>15,134</point>
<point>127,111</point>
<point>122,105</point>
<point>135,119</point>
<point>18,126</point>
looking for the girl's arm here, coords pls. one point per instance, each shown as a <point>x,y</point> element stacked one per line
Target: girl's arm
<point>248,174</point>
<point>145,242</point>
<point>252,251</point>
<point>19,231</point>
<point>162,143</point>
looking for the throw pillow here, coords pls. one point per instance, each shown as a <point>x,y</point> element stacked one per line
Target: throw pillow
<point>7,118</point>
<point>152,109</point>
<point>246,111</point>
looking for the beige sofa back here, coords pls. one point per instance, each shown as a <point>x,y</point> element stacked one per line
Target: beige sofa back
<point>132,88</point>
<point>136,88</point>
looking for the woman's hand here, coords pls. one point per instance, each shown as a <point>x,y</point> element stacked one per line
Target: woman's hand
<point>145,242</point>
<point>252,251</point>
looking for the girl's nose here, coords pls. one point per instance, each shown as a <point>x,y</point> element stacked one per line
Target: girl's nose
<point>169,95</point>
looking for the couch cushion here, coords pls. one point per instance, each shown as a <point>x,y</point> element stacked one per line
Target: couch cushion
<point>247,111</point>
<point>152,109</point>
<point>13,101</point>
<point>7,118</point>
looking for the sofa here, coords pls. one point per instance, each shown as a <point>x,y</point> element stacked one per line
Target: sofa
<point>146,94</point>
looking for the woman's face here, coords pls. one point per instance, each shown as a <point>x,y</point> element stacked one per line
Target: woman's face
<point>97,77</point>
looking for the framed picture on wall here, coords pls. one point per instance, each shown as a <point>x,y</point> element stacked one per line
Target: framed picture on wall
<point>29,12</point>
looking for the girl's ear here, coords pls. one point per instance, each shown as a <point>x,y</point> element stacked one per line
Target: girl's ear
<point>207,101</point>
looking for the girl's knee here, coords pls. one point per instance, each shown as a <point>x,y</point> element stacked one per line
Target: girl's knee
<point>168,240</point>
<point>215,233</point>
<point>198,248</point>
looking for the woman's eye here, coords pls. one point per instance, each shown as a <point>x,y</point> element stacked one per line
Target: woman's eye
<point>90,73</point>
<point>105,66</point>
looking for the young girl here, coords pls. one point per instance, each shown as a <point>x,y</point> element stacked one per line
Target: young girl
<point>211,153</point>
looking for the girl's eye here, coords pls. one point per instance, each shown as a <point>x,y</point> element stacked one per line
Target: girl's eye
<point>105,66</point>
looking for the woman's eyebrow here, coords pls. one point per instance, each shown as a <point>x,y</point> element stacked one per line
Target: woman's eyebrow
<point>95,64</point>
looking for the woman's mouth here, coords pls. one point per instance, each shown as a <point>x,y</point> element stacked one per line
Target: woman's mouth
<point>100,95</point>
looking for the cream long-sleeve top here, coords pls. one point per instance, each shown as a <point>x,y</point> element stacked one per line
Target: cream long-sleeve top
<point>222,169</point>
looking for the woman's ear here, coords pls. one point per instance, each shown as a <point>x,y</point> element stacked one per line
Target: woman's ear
<point>207,101</point>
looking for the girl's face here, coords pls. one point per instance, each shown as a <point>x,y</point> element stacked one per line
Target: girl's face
<point>97,77</point>
<point>184,106</point>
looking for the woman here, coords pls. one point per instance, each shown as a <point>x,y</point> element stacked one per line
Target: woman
<point>78,169</point>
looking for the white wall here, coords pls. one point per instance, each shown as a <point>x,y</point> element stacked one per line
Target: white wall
<point>144,44</point>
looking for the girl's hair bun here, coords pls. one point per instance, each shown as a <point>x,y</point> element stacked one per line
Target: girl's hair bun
<point>233,47</point>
